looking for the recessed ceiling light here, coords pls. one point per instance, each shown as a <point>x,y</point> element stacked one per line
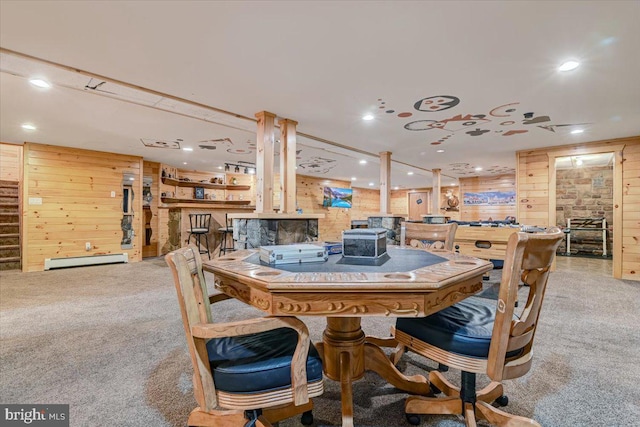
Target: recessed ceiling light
<point>453,184</point>
<point>353,178</point>
<point>184,163</point>
<point>478,169</point>
<point>569,65</point>
<point>575,131</point>
<point>220,167</point>
<point>396,188</point>
<point>409,173</point>
<point>363,162</point>
<point>439,151</point>
<point>28,126</point>
<point>187,149</point>
<point>371,184</point>
<point>40,83</point>
<point>367,117</point>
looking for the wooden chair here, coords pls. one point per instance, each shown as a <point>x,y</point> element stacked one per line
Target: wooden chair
<point>478,335</point>
<point>252,372</point>
<point>428,236</point>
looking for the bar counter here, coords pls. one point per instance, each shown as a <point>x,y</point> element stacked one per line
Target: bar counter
<point>174,222</point>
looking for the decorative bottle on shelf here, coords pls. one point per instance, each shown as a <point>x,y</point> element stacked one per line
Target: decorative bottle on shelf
<point>234,180</point>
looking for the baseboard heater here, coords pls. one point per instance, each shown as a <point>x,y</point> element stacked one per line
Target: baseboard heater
<point>80,261</point>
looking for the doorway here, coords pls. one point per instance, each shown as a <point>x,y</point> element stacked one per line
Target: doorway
<point>614,229</point>
<point>419,203</point>
<point>584,204</point>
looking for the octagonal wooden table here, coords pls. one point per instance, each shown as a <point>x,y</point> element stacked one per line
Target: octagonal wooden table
<point>345,295</point>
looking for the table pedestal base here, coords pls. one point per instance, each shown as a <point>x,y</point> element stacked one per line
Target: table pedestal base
<point>346,356</point>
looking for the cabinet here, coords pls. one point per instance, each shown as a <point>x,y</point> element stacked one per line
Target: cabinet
<point>179,186</point>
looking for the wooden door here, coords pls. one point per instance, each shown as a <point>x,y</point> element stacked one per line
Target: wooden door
<point>419,203</point>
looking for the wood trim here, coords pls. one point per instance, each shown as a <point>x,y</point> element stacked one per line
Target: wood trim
<point>517,183</point>
<point>574,149</point>
<point>24,218</point>
<point>618,205</point>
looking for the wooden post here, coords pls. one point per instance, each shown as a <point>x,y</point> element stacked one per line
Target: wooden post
<point>264,162</point>
<point>287,165</point>
<point>435,199</point>
<point>385,182</point>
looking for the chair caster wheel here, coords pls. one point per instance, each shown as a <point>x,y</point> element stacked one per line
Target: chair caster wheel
<point>434,389</point>
<point>413,419</point>
<point>307,418</point>
<point>502,400</point>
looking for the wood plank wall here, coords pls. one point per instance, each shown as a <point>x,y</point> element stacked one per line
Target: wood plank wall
<point>10,162</point>
<point>536,194</point>
<point>399,202</point>
<point>366,203</point>
<point>309,199</point>
<point>482,184</point>
<point>74,187</point>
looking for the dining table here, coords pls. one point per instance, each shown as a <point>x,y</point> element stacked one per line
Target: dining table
<point>411,283</point>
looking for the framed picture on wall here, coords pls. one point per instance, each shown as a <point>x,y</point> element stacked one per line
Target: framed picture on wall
<point>198,192</point>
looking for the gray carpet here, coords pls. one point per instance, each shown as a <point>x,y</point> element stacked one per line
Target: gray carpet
<point>108,340</point>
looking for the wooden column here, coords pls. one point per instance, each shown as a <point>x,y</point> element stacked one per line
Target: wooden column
<point>385,182</point>
<point>287,165</point>
<point>264,162</point>
<point>435,199</point>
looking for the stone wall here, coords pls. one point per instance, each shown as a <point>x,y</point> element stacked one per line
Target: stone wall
<point>253,233</point>
<point>585,193</point>
<point>391,223</point>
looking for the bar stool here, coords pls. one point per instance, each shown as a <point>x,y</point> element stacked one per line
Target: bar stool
<point>224,237</point>
<point>199,226</point>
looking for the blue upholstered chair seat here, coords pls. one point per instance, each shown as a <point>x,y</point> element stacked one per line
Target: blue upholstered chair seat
<point>464,328</point>
<point>259,362</point>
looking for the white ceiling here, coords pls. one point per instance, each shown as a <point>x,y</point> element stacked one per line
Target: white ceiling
<point>325,65</point>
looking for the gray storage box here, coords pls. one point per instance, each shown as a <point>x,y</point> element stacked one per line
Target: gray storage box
<point>364,243</point>
<point>293,254</point>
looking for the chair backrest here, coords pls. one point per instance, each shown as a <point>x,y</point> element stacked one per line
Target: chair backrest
<point>191,287</point>
<point>200,221</point>
<point>430,236</point>
<point>528,258</point>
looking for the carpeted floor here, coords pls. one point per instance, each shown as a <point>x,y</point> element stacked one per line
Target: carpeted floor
<point>108,340</point>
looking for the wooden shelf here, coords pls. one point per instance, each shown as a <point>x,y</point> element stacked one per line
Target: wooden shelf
<point>179,183</point>
<point>206,201</point>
